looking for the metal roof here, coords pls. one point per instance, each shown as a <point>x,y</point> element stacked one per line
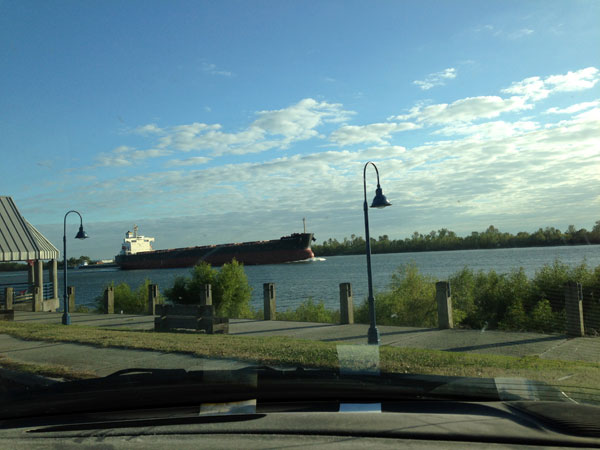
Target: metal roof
<point>19,240</point>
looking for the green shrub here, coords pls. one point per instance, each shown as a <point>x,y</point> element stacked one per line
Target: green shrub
<point>310,311</point>
<point>515,319</point>
<point>543,319</point>
<point>127,300</point>
<point>462,286</point>
<point>408,301</point>
<point>231,292</point>
<point>496,294</point>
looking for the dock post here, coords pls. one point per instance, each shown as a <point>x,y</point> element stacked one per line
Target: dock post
<point>206,295</point>
<point>346,305</point>
<point>444,305</point>
<point>8,298</point>
<point>8,313</point>
<point>109,300</point>
<point>152,298</point>
<point>36,303</point>
<point>71,298</point>
<point>574,309</point>
<point>269,301</point>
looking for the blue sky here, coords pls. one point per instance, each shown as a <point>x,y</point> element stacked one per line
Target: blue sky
<point>208,122</point>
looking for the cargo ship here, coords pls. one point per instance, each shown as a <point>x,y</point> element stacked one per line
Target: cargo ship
<point>137,253</point>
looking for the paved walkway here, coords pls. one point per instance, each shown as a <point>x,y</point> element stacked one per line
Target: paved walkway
<point>103,361</point>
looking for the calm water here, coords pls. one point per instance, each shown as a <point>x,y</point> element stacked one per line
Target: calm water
<point>320,279</point>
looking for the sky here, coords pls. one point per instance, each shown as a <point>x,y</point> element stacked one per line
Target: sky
<point>208,122</point>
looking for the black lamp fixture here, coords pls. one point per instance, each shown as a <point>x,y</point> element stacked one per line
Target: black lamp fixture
<point>66,318</point>
<point>379,201</point>
<point>81,234</point>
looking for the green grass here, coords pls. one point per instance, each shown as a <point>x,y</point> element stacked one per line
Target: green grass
<point>573,377</point>
<point>45,370</point>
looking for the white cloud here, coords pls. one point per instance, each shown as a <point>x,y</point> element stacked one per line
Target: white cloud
<point>513,165</point>
<point>536,88</point>
<point>573,108</point>
<point>127,156</point>
<point>436,79</point>
<point>272,129</point>
<point>376,133</point>
<point>520,33</point>
<point>488,130</point>
<point>503,33</point>
<point>212,69</point>
<point>148,129</point>
<point>574,81</point>
<point>464,110</point>
<point>298,122</point>
<point>193,161</point>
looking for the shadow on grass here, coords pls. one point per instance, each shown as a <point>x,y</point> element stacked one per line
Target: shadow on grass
<point>384,334</point>
<point>505,344</point>
<point>271,330</point>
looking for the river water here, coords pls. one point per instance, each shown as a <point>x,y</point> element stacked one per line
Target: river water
<point>320,279</point>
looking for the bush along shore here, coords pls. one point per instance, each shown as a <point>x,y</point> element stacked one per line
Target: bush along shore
<point>480,300</point>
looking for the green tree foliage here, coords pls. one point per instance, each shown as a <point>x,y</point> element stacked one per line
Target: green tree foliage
<point>488,300</point>
<point>408,301</point>
<point>130,301</point>
<point>445,239</point>
<point>12,266</point>
<point>231,292</point>
<point>514,302</point>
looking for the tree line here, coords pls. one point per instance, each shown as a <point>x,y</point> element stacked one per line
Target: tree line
<point>445,239</point>
<point>71,263</point>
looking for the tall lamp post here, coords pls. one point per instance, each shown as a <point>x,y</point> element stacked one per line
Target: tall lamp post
<point>66,318</point>
<point>378,202</point>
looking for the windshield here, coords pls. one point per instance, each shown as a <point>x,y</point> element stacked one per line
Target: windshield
<point>390,189</point>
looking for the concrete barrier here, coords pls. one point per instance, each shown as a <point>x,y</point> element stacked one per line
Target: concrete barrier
<point>152,298</point>
<point>346,304</point>
<point>574,309</point>
<point>71,298</point>
<point>269,301</point>
<point>444,305</point>
<point>109,300</point>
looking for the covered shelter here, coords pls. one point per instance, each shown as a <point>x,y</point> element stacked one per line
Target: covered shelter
<point>21,241</point>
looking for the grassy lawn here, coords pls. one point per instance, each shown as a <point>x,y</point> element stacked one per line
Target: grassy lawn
<point>579,379</point>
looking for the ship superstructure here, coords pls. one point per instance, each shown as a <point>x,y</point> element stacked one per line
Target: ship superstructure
<point>135,243</point>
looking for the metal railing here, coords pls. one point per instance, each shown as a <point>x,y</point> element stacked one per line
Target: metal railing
<point>23,292</point>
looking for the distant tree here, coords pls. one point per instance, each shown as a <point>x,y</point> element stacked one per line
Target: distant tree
<point>445,239</point>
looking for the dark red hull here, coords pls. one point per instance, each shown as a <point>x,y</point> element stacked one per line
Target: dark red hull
<point>289,248</point>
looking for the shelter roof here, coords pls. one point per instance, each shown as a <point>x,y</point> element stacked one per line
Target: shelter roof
<point>19,240</point>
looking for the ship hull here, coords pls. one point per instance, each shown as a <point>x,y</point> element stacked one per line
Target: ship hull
<point>289,248</point>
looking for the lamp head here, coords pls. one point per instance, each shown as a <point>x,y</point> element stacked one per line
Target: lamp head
<point>81,234</point>
<point>380,201</point>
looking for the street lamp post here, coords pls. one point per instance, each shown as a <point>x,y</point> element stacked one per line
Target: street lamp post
<point>66,318</point>
<point>378,202</point>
